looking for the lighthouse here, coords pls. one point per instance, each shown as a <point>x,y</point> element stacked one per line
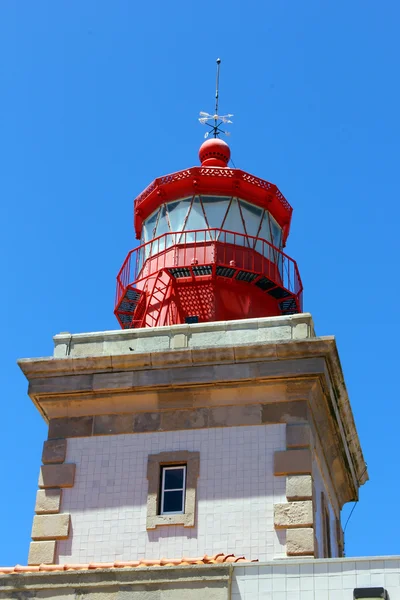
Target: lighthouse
<point>208,445</point>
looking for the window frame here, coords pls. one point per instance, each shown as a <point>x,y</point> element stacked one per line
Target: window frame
<point>155,463</point>
<point>164,469</point>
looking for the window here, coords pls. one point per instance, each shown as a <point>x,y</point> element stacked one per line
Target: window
<point>172,490</point>
<point>173,487</point>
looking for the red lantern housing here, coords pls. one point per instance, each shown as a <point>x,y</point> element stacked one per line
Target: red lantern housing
<point>211,241</point>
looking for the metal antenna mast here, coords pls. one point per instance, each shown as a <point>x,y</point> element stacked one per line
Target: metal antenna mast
<point>216,98</point>
<point>206,118</point>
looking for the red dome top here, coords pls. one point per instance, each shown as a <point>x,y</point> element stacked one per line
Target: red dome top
<point>214,153</point>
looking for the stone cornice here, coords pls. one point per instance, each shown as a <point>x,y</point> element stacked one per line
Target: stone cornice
<point>35,368</point>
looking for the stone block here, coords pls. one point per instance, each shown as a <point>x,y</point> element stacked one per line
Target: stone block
<point>299,487</point>
<point>272,334</point>
<point>298,436</point>
<point>145,422</point>
<point>48,501</point>
<point>206,339</point>
<point>151,342</point>
<point>93,348</point>
<point>130,360</point>
<point>42,553</point>
<point>293,514</point>
<point>112,424</point>
<point>60,384</point>
<point>298,389</point>
<point>70,427</point>
<point>184,419</point>
<point>179,340</point>
<point>113,381</point>
<point>253,352</point>
<point>214,355</point>
<point>51,527</point>
<point>176,357</point>
<point>284,412</point>
<point>229,416</point>
<point>57,475</point>
<point>301,331</point>
<point>300,542</point>
<point>54,451</point>
<point>292,462</point>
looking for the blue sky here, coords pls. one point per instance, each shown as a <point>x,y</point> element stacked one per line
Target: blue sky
<point>98,98</point>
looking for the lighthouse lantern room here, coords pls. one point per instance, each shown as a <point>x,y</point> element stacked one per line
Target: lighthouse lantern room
<point>211,248</point>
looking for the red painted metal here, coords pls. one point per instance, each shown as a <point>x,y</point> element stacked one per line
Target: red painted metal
<point>208,274</point>
<point>216,181</point>
<point>214,152</point>
<point>212,274</point>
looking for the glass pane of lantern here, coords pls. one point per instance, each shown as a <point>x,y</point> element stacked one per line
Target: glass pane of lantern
<point>252,217</point>
<point>195,219</point>
<point>265,234</point>
<point>149,230</point>
<point>215,208</point>
<point>234,222</point>
<point>149,226</point>
<point>177,212</point>
<point>276,233</point>
<point>162,227</point>
<point>140,254</point>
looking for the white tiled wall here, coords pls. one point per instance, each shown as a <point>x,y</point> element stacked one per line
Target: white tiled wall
<point>236,494</point>
<point>316,579</point>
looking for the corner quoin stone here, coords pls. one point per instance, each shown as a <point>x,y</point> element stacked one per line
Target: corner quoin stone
<point>51,527</point>
<point>300,542</point>
<point>42,553</point>
<point>292,462</point>
<point>54,451</point>
<point>298,436</point>
<point>299,487</point>
<point>57,475</point>
<point>293,514</point>
<point>48,501</point>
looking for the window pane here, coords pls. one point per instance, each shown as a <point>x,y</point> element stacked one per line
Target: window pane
<point>276,233</point>
<point>234,222</point>
<point>162,225</point>
<point>196,218</point>
<point>173,479</point>
<point>173,502</point>
<point>149,226</point>
<point>177,212</point>
<point>265,234</point>
<point>215,209</point>
<point>252,217</point>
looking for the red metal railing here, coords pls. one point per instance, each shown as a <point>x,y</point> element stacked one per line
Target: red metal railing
<point>209,247</point>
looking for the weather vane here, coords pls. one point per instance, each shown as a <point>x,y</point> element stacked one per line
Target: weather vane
<point>207,119</point>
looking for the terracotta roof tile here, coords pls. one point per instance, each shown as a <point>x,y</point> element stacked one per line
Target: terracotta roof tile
<point>162,562</point>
